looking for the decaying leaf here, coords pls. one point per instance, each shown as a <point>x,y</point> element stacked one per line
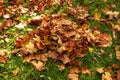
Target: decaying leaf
<point>16,71</point>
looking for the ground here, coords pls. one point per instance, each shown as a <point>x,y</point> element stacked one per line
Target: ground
<point>66,39</point>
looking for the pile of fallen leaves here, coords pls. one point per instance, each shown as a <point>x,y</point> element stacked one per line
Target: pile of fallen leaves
<point>56,36</point>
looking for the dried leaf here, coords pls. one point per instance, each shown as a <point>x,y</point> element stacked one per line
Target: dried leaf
<point>97,16</point>
<point>29,58</point>
<point>112,14</point>
<point>85,70</point>
<point>65,59</point>
<point>38,65</point>
<point>100,70</point>
<point>74,69</point>
<point>52,55</point>
<point>117,52</point>
<point>3,57</point>
<point>61,67</point>
<point>73,76</point>
<point>115,66</point>
<point>107,76</point>
<point>7,24</point>
<point>16,71</point>
<point>105,40</point>
<point>118,75</point>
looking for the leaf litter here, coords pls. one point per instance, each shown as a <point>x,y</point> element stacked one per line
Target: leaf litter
<point>58,37</point>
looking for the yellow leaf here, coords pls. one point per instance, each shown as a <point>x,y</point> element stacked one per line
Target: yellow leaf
<point>97,16</point>
<point>15,72</point>
<point>90,49</point>
<point>39,39</point>
<point>17,18</point>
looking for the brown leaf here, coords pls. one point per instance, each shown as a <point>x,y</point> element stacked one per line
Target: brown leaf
<point>107,76</point>
<point>105,40</point>
<point>7,24</point>
<point>74,69</point>
<point>65,59</point>
<point>73,76</point>
<point>115,66</point>
<point>117,52</point>
<point>118,75</point>
<point>29,58</point>
<point>39,45</point>
<point>112,14</point>
<point>3,57</point>
<point>61,67</point>
<point>84,26</point>
<point>16,71</point>
<point>52,55</point>
<point>85,70</point>
<point>100,70</point>
<point>38,65</point>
